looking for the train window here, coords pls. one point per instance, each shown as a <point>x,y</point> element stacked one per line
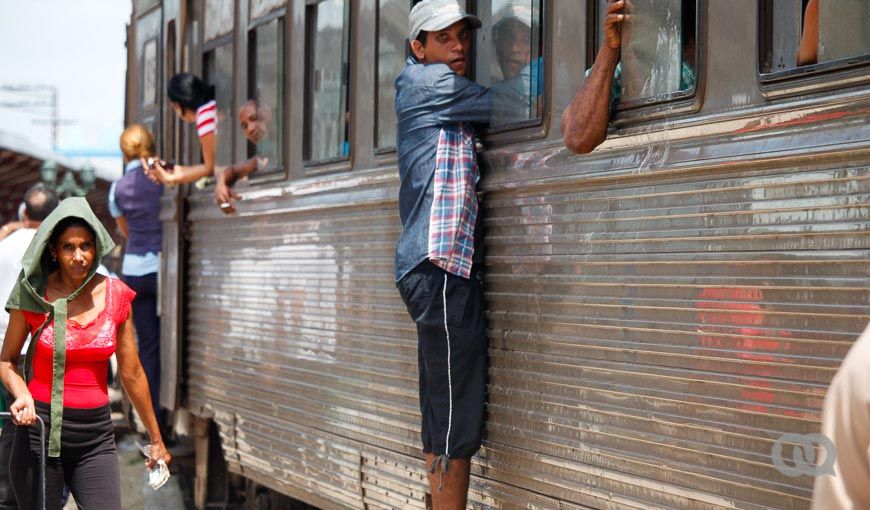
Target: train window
<point>218,19</point>
<point>149,73</point>
<point>218,72</point>
<point>509,59</point>
<point>658,52</point>
<point>147,64</point>
<point>263,126</point>
<point>392,51</point>
<point>808,36</point>
<point>326,81</point>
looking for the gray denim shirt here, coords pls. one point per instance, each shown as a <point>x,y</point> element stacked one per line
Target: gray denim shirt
<point>428,97</point>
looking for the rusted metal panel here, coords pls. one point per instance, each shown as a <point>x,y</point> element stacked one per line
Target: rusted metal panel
<point>171,279</point>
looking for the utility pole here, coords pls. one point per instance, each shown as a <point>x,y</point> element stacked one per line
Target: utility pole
<point>47,100</point>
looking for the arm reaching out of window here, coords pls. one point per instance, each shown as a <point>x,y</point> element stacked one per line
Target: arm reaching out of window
<point>808,51</point>
<point>584,122</point>
<point>183,174</point>
<point>224,195</point>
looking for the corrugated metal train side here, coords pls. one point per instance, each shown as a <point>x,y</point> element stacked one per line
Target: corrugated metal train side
<point>660,313</point>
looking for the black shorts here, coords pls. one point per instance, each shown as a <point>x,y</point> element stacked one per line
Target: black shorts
<point>452,357</point>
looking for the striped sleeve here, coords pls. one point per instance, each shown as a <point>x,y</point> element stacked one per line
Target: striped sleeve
<point>206,119</point>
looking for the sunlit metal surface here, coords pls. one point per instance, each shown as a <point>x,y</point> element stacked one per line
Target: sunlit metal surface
<point>650,335</point>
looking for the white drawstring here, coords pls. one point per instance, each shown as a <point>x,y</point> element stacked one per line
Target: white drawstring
<point>449,371</point>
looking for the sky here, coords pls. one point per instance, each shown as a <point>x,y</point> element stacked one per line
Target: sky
<point>77,46</point>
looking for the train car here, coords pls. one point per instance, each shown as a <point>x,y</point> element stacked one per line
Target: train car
<point>661,311</point>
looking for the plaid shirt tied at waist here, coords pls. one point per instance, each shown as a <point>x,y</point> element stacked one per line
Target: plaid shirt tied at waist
<point>454,205</point>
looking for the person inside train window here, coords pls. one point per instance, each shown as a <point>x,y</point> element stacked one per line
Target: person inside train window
<point>516,96</point>
<point>585,120</point>
<point>194,103</point>
<point>254,118</point>
<point>438,253</point>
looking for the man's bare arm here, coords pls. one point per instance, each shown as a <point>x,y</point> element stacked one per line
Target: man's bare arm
<point>584,121</point>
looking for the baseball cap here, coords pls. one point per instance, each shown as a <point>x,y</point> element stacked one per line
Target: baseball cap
<point>434,15</point>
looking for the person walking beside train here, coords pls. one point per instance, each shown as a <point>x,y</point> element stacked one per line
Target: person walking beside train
<point>39,202</point>
<point>439,250</point>
<point>77,319</point>
<point>134,202</point>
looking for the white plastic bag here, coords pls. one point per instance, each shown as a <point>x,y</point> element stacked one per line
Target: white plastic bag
<point>159,474</point>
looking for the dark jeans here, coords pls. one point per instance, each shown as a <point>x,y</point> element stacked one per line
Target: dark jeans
<point>88,463</point>
<point>147,325</point>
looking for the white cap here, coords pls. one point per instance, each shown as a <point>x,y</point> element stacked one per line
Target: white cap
<point>434,15</point>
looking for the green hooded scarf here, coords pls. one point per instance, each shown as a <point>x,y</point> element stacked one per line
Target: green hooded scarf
<point>29,291</point>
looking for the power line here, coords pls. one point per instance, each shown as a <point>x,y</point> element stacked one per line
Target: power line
<point>24,104</point>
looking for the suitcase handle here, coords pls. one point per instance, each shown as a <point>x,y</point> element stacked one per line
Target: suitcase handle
<point>8,415</point>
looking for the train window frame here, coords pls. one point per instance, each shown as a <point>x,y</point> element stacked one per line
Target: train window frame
<point>213,46</point>
<point>668,105</point>
<point>531,129</point>
<point>148,30</point>
<point>275,173</point>
<point>170,130</point>
<point>807,79</point>
<point>343,163</point>
<point>383,151</point>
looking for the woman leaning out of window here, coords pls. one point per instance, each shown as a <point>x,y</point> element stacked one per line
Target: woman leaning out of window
<point>193,102</point>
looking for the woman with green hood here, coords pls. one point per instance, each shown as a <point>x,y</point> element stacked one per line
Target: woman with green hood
<point>76,319</point>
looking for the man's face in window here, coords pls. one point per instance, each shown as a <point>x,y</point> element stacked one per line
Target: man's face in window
<point>513,46</point>
<point>254,121</point>
<point>450,46</point>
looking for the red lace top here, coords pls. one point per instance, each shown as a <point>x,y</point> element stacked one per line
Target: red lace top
<point>88,349</point>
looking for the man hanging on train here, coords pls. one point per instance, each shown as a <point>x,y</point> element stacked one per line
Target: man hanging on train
<point>439,250</point>
<point>438,253</point>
